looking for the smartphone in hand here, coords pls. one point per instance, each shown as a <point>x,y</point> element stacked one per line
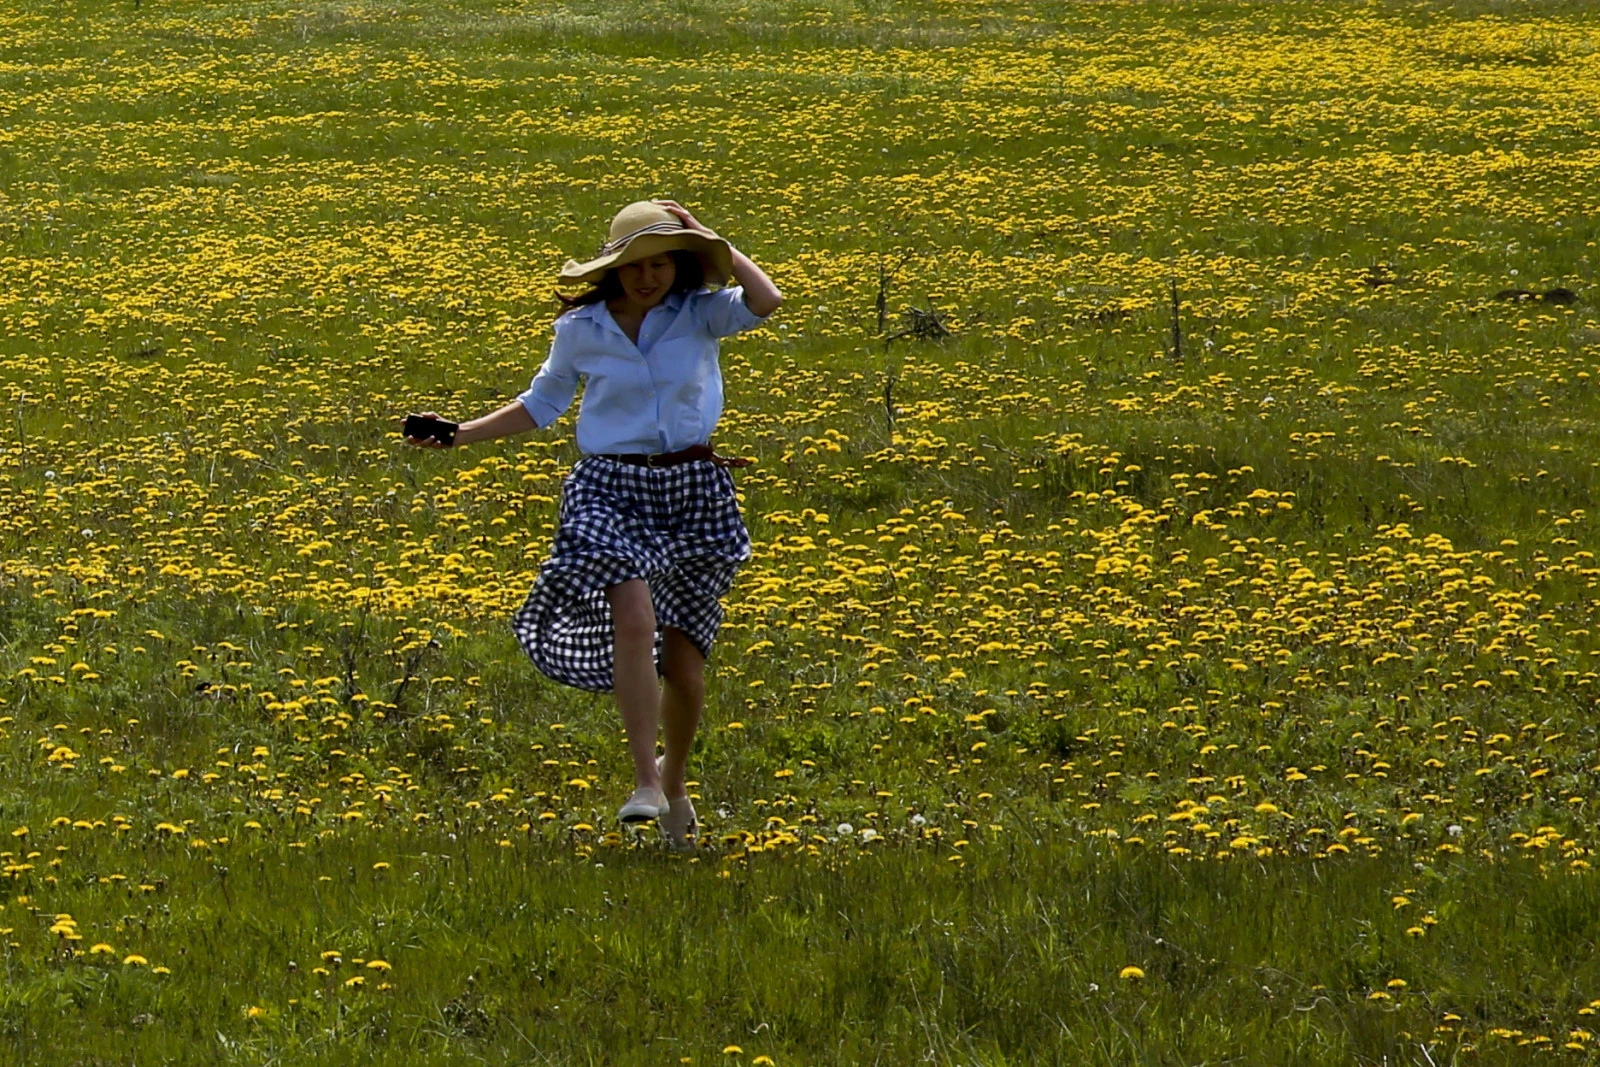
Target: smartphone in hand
<point>421,427</point>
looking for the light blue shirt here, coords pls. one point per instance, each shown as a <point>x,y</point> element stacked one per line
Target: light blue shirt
<point>660,395</point>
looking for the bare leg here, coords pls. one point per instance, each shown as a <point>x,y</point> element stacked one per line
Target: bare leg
<point>638,697</point>
<point>683,697</point>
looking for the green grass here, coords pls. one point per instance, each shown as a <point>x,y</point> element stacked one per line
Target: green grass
<point>1268,670</point>
<point>1014,957</point>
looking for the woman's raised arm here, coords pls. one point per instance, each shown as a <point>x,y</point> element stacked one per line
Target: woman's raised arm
<point>761,296</point>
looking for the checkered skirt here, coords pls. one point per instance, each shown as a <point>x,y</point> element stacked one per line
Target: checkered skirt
<point>676,527</point>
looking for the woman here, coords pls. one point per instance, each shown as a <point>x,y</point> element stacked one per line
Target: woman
<point>649,537</point>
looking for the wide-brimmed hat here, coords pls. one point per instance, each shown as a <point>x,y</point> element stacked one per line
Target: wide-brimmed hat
<point>643,229</point>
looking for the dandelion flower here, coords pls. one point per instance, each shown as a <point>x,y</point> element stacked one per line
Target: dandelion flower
<point>134,960</point>
<point>1131,974</point>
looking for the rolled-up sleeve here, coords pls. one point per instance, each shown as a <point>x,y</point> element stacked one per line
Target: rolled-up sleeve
<point>725,313</point>
<point>552,389</point>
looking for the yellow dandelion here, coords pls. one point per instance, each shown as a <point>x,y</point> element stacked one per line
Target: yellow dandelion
<point>379,965</point>
<point>100,949</point>
<point>135,960</point>
<point>1130,973</point>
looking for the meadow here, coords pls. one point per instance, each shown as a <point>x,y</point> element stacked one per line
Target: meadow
<point>1098,694</point>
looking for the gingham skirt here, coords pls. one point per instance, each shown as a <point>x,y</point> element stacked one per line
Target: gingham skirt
<point>676,527</point>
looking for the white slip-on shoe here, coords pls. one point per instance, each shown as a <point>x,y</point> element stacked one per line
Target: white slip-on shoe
<point>680,826</point>
<point>642,806</point>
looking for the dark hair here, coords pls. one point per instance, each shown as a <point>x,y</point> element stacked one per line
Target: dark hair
<point>689,274</point>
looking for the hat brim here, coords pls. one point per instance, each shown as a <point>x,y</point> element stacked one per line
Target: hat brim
<point>716,256</point>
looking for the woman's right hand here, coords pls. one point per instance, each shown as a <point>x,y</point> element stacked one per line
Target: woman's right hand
<point>427,442</point>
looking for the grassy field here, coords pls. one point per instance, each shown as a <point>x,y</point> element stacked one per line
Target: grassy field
<point>1086,702</point>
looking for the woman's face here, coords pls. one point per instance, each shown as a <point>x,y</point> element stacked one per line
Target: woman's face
<point>646,281</point>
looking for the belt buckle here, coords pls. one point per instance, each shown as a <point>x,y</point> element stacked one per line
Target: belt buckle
<point>650,459</point>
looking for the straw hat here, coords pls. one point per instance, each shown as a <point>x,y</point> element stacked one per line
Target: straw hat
<point>643,229</point>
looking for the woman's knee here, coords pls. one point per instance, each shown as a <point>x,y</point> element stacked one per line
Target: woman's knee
<point>681,662</point>
<point>632,612</point>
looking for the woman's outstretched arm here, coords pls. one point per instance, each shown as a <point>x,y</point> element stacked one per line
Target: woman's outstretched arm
<point>511,419</point>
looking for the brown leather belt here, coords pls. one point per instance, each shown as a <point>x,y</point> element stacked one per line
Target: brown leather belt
<point>691,454</point>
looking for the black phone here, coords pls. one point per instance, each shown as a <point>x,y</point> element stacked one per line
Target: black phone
<point>420,426</point>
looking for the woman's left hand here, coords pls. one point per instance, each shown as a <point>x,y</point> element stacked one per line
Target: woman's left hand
<point>688,220</point>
